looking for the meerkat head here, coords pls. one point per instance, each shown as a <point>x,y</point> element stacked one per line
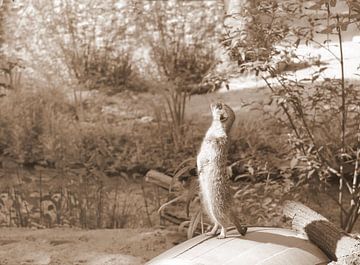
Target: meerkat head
<point>223,113</point>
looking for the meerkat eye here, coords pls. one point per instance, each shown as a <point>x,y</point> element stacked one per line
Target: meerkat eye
<point>223,117</point>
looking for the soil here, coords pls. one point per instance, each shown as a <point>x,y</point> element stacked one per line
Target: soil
<point>62,246</point>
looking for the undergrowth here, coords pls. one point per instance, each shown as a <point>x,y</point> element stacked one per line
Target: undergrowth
<point>58,169</point>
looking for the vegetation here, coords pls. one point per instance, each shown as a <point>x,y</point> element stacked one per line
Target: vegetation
<point>88,105</point>
<point>321,113</point>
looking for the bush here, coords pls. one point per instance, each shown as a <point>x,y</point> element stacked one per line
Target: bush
<point>30,119</point>
<point>112,73</point>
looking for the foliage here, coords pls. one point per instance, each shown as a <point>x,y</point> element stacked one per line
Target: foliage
<point>181,46</point>
<point>73,45</point>
<point>90,45</point>
<point>85,174</point>
<point>172,113</point>
<point>105,71</point>
<point>322,116</point>
<point>10,72</point>
<point>182,49</point>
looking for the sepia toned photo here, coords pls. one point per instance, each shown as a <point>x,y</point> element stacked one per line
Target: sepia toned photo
<point>179,132</point>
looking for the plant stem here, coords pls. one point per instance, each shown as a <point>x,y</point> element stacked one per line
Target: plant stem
<point>287,115</point>
<point>115,205</point>
<point>343,117</point>
<point>40,199</point>
<point>355,177</point>
<point>354,210</point>
<point>146,205</point>
<point>343,90</point>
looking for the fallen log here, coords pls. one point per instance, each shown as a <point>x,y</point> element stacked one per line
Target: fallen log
<point>159,179</point>
<point>340,246</point>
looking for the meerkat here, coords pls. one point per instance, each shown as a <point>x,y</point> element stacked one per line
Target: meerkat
<point>216,194</point>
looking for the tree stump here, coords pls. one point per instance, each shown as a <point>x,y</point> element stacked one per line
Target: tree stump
<point>340,246</point>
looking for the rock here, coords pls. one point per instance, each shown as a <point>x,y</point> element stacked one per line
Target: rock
<point>147,119</point>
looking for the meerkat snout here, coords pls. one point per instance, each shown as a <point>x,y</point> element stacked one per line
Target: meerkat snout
<point>219,111</point>
<point>218,105</point>
<point>222,113</point>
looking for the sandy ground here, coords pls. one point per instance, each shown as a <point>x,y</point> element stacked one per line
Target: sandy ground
<point>74,246</point>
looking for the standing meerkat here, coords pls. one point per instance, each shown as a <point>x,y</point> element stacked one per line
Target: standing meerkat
<point>216,194</point>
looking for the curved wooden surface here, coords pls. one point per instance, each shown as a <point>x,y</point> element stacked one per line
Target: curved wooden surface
<point>265,246</point>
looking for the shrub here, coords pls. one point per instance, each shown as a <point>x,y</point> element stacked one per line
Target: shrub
<point>104,70</point>
<point>30,117</point>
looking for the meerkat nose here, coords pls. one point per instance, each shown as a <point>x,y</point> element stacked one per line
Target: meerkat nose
<point>218,105</point>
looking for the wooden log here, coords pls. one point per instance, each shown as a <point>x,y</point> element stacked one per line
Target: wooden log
<point>159,179</point>
<point>337,244</point>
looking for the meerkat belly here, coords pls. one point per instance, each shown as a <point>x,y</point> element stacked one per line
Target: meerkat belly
<point>213,184</point>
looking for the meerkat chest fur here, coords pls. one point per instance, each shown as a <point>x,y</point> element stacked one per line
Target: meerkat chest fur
<point>213,150</point>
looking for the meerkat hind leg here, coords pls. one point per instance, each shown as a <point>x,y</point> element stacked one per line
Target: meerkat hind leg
<point>222,233</point>
<point>213,230</point>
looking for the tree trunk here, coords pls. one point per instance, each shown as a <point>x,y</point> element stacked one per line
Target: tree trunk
<point>338,245</point>
<point>237,12</point>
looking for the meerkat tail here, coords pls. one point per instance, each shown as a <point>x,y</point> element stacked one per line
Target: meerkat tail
<point>241,229</point>
<point>236,221</point>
